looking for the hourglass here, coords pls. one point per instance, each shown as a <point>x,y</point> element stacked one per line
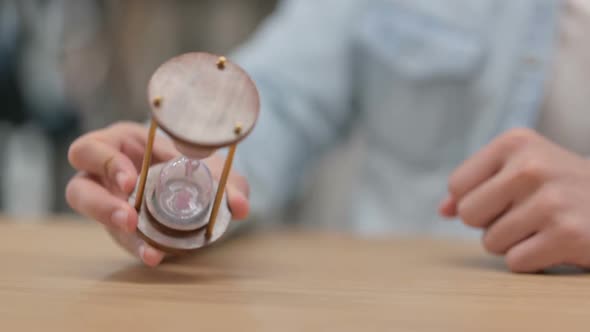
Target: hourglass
<point>203,103</point>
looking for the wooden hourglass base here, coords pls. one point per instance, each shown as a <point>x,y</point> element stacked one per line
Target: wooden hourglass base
<point>161,237</point>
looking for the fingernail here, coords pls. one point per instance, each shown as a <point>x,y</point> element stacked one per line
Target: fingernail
<point>121,179</point>
<point>119,218</point>
<point>447,207</point>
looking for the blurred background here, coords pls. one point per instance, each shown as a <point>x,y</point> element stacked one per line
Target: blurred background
<point>70,66</point>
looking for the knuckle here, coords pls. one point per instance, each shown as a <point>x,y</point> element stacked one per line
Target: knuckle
<point>550,201</point>
<point>490,244</point>
<point>569,229</point>
<point>531,170</point>
<point>465,213</point>
<point>517,138</point>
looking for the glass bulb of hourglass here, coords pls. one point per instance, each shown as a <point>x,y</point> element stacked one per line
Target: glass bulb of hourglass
<point>183,191</point>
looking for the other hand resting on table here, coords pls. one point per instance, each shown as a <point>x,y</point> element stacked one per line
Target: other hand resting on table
<point>532,198</point>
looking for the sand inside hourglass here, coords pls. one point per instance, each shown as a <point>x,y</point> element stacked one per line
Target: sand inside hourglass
<point>183,193</point>
<point>180,199</point>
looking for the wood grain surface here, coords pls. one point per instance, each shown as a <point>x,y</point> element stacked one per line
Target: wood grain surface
<point>68,276</point>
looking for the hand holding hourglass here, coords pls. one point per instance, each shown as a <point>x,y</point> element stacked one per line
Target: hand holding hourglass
<point>109,161</point>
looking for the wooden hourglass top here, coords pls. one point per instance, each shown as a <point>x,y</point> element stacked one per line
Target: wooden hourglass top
<point>203,100</point>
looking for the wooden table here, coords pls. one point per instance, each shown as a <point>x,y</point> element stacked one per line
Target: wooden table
<point>70,277</point>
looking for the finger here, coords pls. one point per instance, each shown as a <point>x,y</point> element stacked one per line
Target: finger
<point>475,170</point>
<point>487,161</point>
<point>100,159</point>
<point>235,180</point>
<point>137,247</point>
<point>150,255</point>
<point>448,207</point>
<point>240,183</point>
<point>124,131</point>
<point>162,151</point>
<point>238,203</point>
<point>517,225</point>
<point>481,206</point>
<point>237,188</point>
<point>535,254</point>
<point>134,151</point>
<point>135,134</point>
<point>92,200</point>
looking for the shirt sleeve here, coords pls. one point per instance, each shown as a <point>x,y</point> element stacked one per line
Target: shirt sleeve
<point>301,62</point>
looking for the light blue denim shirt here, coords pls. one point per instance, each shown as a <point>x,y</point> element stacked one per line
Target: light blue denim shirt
<point>426,83</point>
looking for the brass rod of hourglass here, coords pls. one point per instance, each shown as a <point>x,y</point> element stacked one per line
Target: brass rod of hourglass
<point>220,189</point>
<point>147,159</point>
